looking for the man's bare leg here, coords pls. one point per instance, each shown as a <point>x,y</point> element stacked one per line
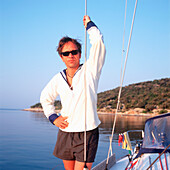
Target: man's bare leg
<point>80,165</point>
<point>69,165</point>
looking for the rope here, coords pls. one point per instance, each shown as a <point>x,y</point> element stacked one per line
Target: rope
<point>122,78</point>
<point>123,41</point>
<point>85,87</point>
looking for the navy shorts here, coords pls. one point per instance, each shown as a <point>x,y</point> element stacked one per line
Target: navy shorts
<point>70,145</point>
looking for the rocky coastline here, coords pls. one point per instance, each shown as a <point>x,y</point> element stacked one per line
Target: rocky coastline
<point>134,112</point>
<point>37,110</point>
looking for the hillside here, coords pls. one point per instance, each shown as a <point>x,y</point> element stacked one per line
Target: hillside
<point>147,95</point>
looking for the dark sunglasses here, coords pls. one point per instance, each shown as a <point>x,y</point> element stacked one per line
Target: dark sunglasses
<point>73,52</point>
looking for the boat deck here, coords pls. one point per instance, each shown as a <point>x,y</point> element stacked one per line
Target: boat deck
<point>144,162</point>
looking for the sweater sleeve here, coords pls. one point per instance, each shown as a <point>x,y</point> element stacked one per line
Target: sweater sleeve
<point>47,98</point>
<point>97,51</point>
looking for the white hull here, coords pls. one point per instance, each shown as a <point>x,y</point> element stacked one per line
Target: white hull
<point>144,162</point>
<point>153,153</point>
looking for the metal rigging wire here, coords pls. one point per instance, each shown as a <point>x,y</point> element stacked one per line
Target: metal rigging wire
<point>121,83</point>
<point>85,167</point>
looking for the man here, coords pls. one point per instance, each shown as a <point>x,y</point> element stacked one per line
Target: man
<point>70,85</point>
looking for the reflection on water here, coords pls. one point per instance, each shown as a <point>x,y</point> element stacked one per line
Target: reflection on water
<point>123,124</point>
<point>27,139</point>
<point>39,116</point>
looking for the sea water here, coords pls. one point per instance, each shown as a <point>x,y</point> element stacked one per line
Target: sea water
<point>27,139</point>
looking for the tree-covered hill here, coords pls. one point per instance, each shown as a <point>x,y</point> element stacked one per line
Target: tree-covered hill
<point>148,95</point>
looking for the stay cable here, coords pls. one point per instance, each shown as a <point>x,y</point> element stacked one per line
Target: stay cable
<point>121,83</point>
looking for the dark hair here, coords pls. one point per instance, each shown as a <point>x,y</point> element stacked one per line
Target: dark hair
<point>65,40</point>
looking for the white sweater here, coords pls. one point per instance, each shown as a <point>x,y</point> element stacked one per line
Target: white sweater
<point>73,101</point>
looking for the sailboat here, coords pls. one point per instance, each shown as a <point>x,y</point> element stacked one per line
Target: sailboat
<point>153,152</point>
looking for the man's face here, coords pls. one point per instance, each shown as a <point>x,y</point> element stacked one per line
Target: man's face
<point>72,60</point>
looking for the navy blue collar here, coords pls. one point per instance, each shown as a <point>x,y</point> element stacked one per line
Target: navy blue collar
<point>63,74</point>
<point>64,71</point>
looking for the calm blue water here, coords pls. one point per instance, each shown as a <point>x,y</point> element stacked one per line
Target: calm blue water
<point>27,139</point>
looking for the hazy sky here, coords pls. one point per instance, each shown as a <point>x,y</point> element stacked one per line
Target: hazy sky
<point>30,31</point>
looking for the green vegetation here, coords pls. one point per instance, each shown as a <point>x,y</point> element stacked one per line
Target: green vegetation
<point>57,105</point>
<point>147,95</point>
<point>163,111</point>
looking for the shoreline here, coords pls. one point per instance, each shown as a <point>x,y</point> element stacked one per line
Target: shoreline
<point>131,112</point>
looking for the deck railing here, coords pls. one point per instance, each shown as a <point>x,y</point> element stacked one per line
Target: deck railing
<point>159,158</point>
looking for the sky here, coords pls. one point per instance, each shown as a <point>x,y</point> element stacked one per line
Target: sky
<point>31,29</point>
